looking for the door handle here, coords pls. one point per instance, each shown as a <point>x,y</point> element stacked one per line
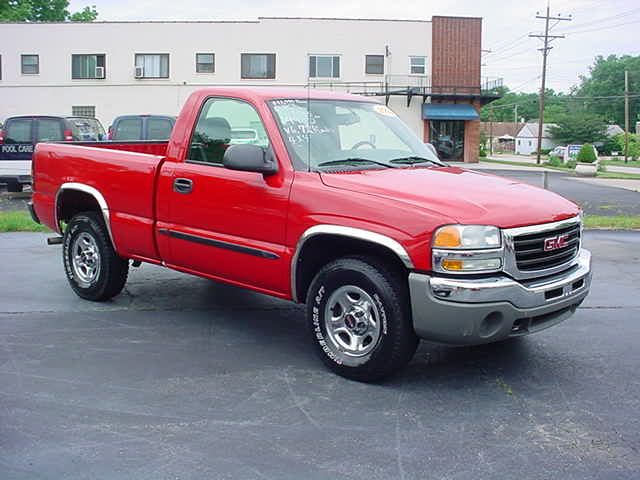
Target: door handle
<point>182,185</point>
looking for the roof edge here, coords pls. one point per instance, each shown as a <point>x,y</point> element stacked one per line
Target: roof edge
<point>258,20</point>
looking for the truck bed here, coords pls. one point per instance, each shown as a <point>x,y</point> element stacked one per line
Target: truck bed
<point>123,172</point>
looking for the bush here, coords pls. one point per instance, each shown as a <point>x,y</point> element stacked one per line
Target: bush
<point>571,164</point>
<point>555,161</point>
<point>483,151</point>
<point>586,154</point>
<point>545,151</point>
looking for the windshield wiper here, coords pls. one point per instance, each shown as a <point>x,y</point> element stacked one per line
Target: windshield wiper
<point>412,160</point>
<point>354,160</point>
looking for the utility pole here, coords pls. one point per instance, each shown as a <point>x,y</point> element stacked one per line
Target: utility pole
<point>491,132</point>
<point>547,39</point>
<point>626,116</point>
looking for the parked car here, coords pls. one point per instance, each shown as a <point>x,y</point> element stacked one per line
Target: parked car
<point>87,129</point>
<point>20,134</point>
<point>127,128</point>
<point>558,152</point>
<point>336,204</point>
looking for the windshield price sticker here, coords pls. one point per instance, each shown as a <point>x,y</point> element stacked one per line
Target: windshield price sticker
<point>384,110</point>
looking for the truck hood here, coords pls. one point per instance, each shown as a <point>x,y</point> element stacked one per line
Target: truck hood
<point>468,197</point>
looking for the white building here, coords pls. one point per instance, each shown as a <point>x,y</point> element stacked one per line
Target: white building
<point>106,69</point>
<point>527,139</point>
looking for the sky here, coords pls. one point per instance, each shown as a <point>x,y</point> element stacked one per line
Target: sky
<point>598,27</point>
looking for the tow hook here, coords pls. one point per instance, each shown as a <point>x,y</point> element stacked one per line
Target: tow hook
<point>54,241</point>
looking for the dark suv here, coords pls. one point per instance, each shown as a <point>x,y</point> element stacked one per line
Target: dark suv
<point>127,128</point>
<point>20,135</point>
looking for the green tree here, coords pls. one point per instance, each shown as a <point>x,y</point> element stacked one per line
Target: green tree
<point>605,79</point>
<point>634,145</point>
<point>586,154</point>
<point>578,127</point>
<point>504,108</point>
<point>43,11</point>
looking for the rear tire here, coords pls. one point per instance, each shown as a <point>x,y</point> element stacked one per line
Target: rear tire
<point>359,319</point>
<point>94,269</point>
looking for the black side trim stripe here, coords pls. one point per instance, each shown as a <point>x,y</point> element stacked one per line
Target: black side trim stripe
<point>219,244</point>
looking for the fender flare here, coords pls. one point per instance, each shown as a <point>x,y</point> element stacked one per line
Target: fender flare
<point>98,197</point>
<point>356,233</point>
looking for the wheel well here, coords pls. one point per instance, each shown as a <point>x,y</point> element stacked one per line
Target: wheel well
<point>324,248</point>
<point>72,202</point>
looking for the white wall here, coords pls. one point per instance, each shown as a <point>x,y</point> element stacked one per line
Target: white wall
<point>528,145</point>
<point>54,92</point>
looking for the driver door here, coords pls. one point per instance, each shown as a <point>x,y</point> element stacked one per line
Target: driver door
<point>226,224</point>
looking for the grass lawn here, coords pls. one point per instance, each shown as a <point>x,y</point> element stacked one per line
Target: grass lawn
<point>19,222</point>
<point>610,175</point>
<point>620,163</point>
<point>618,175</point>
<point>616,222</point>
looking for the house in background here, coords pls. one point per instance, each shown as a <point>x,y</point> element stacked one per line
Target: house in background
<point>527,139</point>
<point>501,134</point>
<point>613,130</point>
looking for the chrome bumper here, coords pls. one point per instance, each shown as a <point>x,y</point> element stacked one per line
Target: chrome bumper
<point>473,311</point>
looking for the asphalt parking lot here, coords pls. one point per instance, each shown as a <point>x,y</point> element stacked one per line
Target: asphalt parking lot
<point>180,377</point>
<point>594,199</point>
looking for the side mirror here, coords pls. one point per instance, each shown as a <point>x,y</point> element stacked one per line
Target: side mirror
<point>250,158</point>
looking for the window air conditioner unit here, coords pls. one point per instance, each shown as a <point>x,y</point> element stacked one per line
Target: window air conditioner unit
<point>139,72</point>
<point>99,72</point>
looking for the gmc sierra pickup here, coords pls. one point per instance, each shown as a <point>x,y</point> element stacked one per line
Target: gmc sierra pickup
<point>331,201</point>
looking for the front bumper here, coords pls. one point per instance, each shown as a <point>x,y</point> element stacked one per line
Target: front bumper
<point>464,311</point>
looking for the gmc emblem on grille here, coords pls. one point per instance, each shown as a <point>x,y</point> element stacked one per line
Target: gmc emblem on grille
<point>554,243</point>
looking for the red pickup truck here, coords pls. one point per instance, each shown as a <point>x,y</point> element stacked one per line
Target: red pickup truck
<point>323,199</point>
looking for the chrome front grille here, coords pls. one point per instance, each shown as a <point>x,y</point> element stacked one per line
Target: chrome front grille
<point>530,249</point>
<point>525,253</point>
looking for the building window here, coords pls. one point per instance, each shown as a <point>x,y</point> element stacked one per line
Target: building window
<point>418,65</point>
<point>87,67</point>
<point>324,66</point>
<point>152,65</point>
<point>374,64</point>
<point>30,64</point>
<point>258,65</point>
<point>83,111</point>
<point>205,63</point>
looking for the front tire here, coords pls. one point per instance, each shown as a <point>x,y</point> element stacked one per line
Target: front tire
<point>94,269</point>
<point>359,320</point>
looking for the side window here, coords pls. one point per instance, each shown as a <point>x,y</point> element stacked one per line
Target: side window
<point>223,122</point>
<point>158,129</point>
<point>128,129</point>
<point>18,131</point>
<point>49,130</point>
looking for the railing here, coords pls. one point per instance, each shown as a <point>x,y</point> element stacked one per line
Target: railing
<point>409,85</point>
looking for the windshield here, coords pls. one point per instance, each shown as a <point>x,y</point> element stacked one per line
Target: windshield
<point>329,133</point>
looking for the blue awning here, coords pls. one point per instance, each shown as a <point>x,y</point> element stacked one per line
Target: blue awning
<point>444,111</point>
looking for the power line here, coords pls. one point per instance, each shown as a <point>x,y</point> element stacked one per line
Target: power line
<point>603,28</point>
<point>603,19</point>
<point>545,51</point>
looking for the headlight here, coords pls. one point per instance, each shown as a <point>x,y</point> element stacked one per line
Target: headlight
<point>467,237</point>
<point>467,249</point>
